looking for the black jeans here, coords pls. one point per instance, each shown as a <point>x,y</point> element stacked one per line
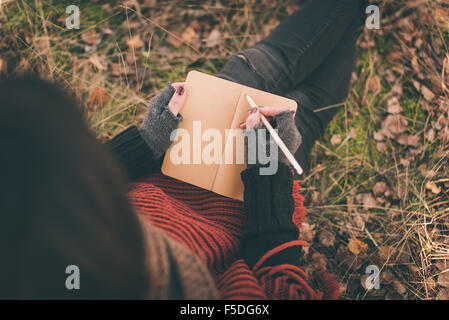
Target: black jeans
<point>309,57</point>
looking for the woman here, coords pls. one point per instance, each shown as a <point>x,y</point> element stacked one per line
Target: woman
<point>63,195</point>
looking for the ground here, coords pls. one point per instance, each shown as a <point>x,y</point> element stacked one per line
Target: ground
<point>377,192</point>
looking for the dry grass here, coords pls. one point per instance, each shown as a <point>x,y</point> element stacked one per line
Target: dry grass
<point>370,202</point>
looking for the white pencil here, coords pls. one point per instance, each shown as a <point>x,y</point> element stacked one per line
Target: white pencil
<point>276,138</point>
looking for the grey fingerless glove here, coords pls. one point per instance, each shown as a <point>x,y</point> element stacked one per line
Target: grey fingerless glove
<point>260,148</point>
<point>160,122</point>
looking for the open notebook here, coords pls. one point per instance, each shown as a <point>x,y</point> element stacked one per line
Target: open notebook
<point>205,152</point>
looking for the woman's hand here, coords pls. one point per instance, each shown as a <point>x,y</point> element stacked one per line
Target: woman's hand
<point>282,120</point>
<point>163,117</point>
<point>177,100</point>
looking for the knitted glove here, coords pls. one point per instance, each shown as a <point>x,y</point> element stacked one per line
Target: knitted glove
<point>160,122</point>
<point>258,140</point>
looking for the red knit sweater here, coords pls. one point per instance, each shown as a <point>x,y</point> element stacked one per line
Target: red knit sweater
<point>211,227</point>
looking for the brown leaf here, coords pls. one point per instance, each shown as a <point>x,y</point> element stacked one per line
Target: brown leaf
<point>336,139</point>
<point>380,187</point>
<point>374,86</point>
<point>393,105</point>
<point>318,260</point>
<point>189,35</point>
<point>433,187</point>
<point>381,147</point>
<point>393,125</point>
<point>428,95</point>
<point>399,287</point>
<point>430,135</point>
<point>358,222</point>
<point>97,97</point>
<point>90,37</point>
<point>404,162</point>
<point>368,201</point>
<point>213,39</point>
<point>378,136</point>
<point>98,62</point>
<point>357,246</point>
<point>443,294</point>
<point>386,252</point>
<point>443,279</point>
<point>135,42</point>
<point>327,238</point>
<point>307,232</point>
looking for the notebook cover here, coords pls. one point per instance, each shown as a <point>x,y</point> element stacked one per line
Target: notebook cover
<point>217,104</point>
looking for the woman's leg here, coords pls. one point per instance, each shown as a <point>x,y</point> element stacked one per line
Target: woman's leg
<point>326,86</point>
<point>295,47</point>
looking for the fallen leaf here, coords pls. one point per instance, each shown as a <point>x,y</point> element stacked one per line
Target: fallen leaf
<point>358,222</point>
<point>399,287</point>
<point>97,97</point>
<point>428,95</point>
<point>213,39</point>
<point>368,201</point>
<point>393,105</point>
<point>97,62</point>
<point>90,37</point>
<point>443,279</point>
<point>135,42</point>
<point>404,162</point>
<point>394,125</point>
<point>327,238</point>
<point>386,252</point>
<point>307,232</point>
<point>189,35</point>
<point>378,136</point>
<point>433,187</point>
<point>352,134</point>
<point>336,139</point>
<point>381,147</point>
<point>318,260</point>
<point>374,86</point>
<point>443,294</point>
<point>430,135</point>
<point>380,187</point>
<point>357,246</point>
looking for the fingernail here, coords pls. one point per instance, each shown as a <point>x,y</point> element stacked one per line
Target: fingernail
<point>180,91</point>
<point>253,110</point>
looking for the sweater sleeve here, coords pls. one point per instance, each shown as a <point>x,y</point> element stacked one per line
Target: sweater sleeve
<point>133,153</point>
<point>269,207</point>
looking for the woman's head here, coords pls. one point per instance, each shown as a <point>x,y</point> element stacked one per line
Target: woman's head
<point>62,202</point>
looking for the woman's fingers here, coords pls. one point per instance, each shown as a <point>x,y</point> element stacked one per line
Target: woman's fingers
<point>177,100</point>
<point>272,111</point>
<point>252,120</point>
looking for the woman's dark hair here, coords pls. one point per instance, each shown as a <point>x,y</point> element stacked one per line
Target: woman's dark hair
<point>62,202</point>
